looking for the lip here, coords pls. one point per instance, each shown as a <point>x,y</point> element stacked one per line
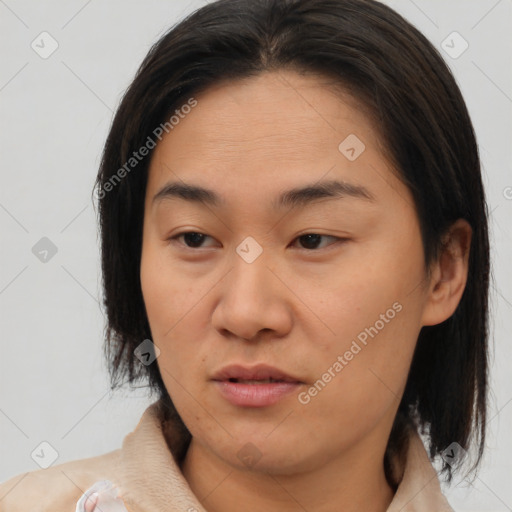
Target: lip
<point>256,372</point>
<point>244,394</point>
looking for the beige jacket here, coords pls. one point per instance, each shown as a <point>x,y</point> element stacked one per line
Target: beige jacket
<point>149,479</point>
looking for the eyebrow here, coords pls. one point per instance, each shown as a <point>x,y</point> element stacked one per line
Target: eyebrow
<point>293,198</point>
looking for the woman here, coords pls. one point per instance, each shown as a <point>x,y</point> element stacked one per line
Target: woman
<point>295,255</point>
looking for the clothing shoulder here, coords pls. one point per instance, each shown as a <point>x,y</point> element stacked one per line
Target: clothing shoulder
<point>57,487</point>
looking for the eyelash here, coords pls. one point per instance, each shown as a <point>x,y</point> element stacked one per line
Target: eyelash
<point>338,239</point>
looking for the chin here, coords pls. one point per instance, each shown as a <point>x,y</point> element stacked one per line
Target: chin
<point>283,455</point>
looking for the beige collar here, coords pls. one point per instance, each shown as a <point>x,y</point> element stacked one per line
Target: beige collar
<point>151,478</point>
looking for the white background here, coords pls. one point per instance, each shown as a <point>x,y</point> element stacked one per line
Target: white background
<point>55,114</point>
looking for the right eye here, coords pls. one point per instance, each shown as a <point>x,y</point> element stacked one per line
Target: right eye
<point>192,239</point>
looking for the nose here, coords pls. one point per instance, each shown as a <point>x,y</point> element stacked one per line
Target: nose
<point>253,300</point>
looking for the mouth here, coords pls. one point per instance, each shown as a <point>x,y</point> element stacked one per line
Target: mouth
<point>257,386</point>
<point>255,381</point>
<point>257,374</point>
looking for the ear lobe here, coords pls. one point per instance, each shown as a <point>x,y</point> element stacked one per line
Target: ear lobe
<point>449,274</point>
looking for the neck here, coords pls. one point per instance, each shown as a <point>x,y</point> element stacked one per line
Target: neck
<point>354,481</point>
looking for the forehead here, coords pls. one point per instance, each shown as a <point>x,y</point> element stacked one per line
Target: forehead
<point>274,131</point>
<point>295,112</point>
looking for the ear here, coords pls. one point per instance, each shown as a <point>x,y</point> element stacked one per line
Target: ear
<point>449,274</point>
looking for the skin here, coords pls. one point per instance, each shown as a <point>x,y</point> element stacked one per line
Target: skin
<point>296,307</point>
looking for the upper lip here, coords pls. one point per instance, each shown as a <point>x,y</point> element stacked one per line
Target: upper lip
<point>257,372</point>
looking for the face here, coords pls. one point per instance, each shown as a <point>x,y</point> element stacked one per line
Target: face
<point>321,291</point>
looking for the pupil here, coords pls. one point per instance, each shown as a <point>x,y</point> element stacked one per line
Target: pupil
<point>309,238</point>
<point>193,239</point>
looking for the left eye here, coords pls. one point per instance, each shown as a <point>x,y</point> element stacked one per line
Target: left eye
<point>310,241</point>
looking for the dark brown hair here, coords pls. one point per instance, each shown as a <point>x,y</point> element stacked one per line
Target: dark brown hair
<point>394,72</point>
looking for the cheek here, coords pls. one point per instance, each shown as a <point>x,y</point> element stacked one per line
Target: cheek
<point>168,295</point>
<point>372,308</point>
<point>367,384</point>
<point>176,316</point>
<point>361,293</point>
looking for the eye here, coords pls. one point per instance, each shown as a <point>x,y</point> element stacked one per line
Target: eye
<point>312,240</point>
<point>192,239</point>
<point>309,241</point>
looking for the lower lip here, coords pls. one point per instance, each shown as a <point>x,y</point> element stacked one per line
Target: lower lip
<point>255,395</point>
